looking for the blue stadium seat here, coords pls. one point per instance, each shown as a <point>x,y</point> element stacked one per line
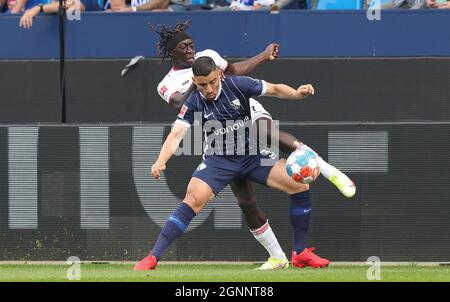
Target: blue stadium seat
<point>340,4</point>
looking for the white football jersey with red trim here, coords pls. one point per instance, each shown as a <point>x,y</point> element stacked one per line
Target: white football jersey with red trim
<point>179,80</point>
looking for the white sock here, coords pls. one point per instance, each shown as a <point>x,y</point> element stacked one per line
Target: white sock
<point>267,238</point>
<point>326,169</point>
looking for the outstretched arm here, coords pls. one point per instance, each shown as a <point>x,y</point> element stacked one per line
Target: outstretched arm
<point>169,147</point>
<point>246,66</point>
<point>288,143</point>
<point>283,91</point>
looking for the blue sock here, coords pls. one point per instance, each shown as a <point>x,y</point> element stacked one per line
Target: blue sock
<point>175,225</point>
<point>300,213</point>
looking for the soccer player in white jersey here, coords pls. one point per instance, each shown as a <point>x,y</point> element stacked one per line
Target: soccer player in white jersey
<point>177,86</point>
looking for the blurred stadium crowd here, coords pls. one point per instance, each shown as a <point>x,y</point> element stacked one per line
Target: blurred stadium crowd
<point>31,8</point>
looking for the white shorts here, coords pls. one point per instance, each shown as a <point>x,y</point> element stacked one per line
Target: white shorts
<point>257,110</point>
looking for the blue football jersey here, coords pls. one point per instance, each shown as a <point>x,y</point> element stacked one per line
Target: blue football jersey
<point>226,121</point>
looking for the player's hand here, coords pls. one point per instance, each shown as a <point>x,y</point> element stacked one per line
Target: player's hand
<point>272,51</point>
<point>157,168</point>
<point>305,91</point>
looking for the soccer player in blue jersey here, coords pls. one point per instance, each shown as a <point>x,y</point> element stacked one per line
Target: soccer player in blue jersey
<point>176,87</point>
<point>223,100</point>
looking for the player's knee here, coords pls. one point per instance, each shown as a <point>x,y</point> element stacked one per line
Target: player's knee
<point>193,201</point>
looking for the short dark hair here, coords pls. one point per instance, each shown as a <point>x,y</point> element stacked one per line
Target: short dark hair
<point>203,66</point>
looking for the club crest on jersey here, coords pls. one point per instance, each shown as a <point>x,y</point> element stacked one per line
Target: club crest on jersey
<point>182,111</point>
<point>201,167</point>
<point>235,104</point>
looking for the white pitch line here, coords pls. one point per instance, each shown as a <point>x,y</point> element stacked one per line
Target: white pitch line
<point>336,263</point>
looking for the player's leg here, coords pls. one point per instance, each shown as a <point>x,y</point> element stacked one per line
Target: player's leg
<point>258,224</point>
<point>300,213</point>
<point>300,206</point>
<point>210,177</point>
<point>245,193</point>
<point>198,193</point>
<point>288,144</point>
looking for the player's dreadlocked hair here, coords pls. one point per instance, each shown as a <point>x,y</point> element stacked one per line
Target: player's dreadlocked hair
<point>170,37</point>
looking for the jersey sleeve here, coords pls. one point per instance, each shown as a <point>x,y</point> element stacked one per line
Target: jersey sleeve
<point>252,87</point>
<point>166,89</point>
<point>218,60</point>
<point>186,114</point>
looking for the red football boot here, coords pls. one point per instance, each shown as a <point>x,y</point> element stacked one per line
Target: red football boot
<point>146,264</point>
<point>308,258</point>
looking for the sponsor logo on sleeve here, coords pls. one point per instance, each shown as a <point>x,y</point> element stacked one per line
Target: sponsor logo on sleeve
<point>163,90</point>
<point>182,111</point>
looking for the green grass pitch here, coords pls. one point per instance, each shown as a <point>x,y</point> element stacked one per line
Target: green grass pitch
<point>234,272</point>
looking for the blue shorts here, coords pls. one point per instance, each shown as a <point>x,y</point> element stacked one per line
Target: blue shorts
<point>219,171</point>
